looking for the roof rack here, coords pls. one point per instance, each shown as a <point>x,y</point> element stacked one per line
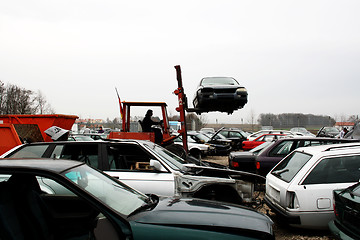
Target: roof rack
<point>340,147</point>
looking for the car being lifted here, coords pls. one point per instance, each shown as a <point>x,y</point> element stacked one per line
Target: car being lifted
<point>222,94</point>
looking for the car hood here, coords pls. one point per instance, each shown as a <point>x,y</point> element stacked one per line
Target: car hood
<point>195,170</point>
<point>196,213</point>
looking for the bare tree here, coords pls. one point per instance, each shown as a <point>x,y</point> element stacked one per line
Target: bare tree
<point>252,119</point>
<point>41,105</point>
<point>17,100</point>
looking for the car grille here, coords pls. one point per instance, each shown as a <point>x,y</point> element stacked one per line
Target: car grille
<point>227,90</point>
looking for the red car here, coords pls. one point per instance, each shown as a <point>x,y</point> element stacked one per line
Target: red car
<point>248,145</point>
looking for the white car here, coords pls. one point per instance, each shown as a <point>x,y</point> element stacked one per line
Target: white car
<point>299,188</point>
<point>197,150</point>
<point>257,134</point>
<point>150,168</point>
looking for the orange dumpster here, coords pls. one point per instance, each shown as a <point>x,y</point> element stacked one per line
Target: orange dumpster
<point>17,129</point>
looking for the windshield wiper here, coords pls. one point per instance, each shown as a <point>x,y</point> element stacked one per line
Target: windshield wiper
<point>148,204</point>
<point>279,172</point>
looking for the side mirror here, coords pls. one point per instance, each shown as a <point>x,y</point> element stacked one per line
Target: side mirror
<point>156,165</point>
<point>202,141</point>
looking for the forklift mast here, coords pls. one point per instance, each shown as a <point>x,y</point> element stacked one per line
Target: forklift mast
<point>182,107</point>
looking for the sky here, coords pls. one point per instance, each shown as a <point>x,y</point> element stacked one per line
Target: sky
<point>292,56</point>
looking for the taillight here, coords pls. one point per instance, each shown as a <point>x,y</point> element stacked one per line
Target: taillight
<point>292,201</point>
<point>257,165</point>
<point>336,213</point>
<point>235,164</point>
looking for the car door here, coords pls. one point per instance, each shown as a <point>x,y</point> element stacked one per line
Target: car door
<point>130,163</point>
<point>87,152</point>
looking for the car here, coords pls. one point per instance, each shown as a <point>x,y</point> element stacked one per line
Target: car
<point>207,130</point>
<point>248,145</point>
<point>83,203</point>
<point>299,189</point>
<point>237,136</point>
<point>79,137</point>
<point>263,161</point>
<point>150,168</point>
<point>302,131</point>
<point>328,132</point>
<point>222,146</point>
<point>222,94</point>
<point>197,150</point>
<point>262,132</point>
<point>347,213</point>
<point>354,133</point>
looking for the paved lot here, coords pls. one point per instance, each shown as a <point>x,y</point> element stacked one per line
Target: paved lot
<point>282,231</point>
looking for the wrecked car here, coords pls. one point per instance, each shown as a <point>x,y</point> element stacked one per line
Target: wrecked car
<point>150,168</point>
<point>222,94</point>
<point>64,199</point>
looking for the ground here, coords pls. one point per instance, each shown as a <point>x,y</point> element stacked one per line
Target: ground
<point>282,231</point>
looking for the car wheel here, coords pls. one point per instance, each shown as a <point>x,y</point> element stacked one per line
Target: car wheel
<point>196,153</point>
<point>177,149</point>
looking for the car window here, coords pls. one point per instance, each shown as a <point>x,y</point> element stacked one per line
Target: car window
<point>226,133</point>
<point>32,151</point>
<point>335,170</point>
<point>290,166</point>
<point>87,153</point>
<point>235,134</point>
<point>269,138</point>
<point>128,157</point>
<point>218,81</point>
<point>283,149</point>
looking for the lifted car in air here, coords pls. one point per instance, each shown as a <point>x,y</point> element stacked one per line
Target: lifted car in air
<point>222,94</point>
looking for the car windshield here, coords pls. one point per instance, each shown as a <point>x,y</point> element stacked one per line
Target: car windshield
<point>203,137</point>
<point>290,166</point>
<point>174,161</point>
<point>355,189</point>
<point>301,130</point>
<point>114,194</point>
<point>218,81</point>
<point>258,149</point>
<point>331,129</point>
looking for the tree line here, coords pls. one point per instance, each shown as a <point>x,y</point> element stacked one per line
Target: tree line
<point>289,120</point>
<point>18,100</point>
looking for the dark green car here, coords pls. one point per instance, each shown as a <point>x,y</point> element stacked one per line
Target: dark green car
<point>347,213</point>
<point>64,199</point>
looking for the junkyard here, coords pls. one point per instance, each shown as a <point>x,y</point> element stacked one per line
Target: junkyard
<point>197,120</point>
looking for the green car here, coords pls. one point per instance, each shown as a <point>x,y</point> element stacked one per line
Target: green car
<point>347,213</point>
<point>65,199</point>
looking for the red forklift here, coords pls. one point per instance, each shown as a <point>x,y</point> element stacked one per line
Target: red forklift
<point>167,139</point>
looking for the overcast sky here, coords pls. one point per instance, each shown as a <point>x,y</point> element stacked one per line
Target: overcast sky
<point>292,56</point>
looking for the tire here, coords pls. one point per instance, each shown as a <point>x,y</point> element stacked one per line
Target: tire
<point>177,150</point>
<point>196,153</point>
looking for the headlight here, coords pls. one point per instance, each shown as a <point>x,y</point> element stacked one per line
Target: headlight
<point>241,91</point>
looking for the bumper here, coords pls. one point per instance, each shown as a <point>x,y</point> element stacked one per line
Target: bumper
<point>283,216</point>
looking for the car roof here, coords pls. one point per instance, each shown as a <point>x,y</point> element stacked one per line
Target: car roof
<point>331,148</point>
<point>49,165</point>
<point>316,138</point>
<point>93,142</point>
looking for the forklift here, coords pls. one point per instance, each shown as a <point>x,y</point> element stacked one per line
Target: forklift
<point>167,139</point>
